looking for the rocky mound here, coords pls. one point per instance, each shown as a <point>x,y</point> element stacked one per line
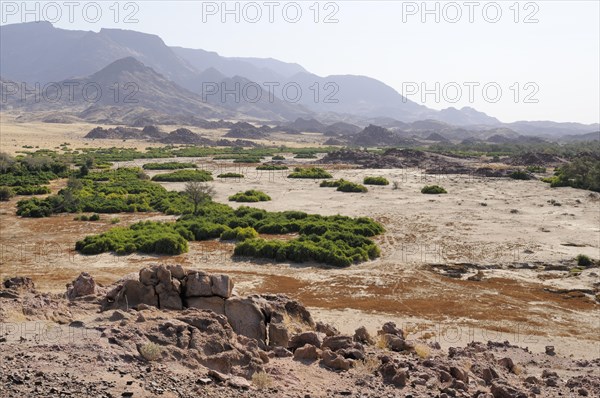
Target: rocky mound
<point>376,136</point>
<point>185,136</point>
<point>117,133</point>
<point>174,332</point>
<point>535,159</point>
<point>248,131</point>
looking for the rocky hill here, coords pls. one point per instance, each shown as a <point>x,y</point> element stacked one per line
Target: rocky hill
<point>173,332</point>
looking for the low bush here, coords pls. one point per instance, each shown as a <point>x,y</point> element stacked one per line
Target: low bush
<point>535,169</point>
<point>583,260</point>
<point>347,186</point>
<point>32,190</point>
<point>246,160</point>
<point>271,167</point>
<point>519,175</point>
<point>230,175</point>
<point>310,172</point>
<point>95,217</point>
<point>330,183</point>
<point>433,189</point>
<point>250,196</point>
<point>278,157</point>
<point>184,176</point>
<point>581,173</point>
<point>305,156</point>
<point>375,181</point>
<point>6,193</point>
<point>169,166</point>
<point>239,234</point>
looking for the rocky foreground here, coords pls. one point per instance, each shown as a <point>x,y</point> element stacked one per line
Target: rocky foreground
<point>172,332</point>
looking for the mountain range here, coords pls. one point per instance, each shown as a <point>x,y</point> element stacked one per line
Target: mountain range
<point>176,82</point>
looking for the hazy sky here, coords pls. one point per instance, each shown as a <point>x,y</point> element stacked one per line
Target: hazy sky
<point>544,51</point>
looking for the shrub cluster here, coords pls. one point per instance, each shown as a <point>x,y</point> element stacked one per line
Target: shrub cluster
<point>278,157</point>
<point>520,175</point>
<point>184,176</point>
<point>307,155</point>
<point>334,240</point>
<point>581,173</point>
<point>343,185</point>
<point>246,159</point>
<point>376,181</point>
<point>83,217</point>
<point>230,175</point>
<point>310,172</point>
<point>239,234</point>
<point>251,195</point>
<point>169,166</point>
<point>6,193</point>
<point>32,190</point>
<point>271,167</point>
<point>433,189</point>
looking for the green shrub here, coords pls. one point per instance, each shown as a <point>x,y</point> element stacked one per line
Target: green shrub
<point>82,217</point>
<point>278,157</point>
<point>250,196</point>
<point>583,260</point>
<point>239,234</point>
<point>375,181</point>
<point>310,172</point>
<point>519,175</point>
<point>305,156</point>
<point>433,189</point>
<point>331,183</point>
<point>271,167</point>
<point>230,175</point>
<point>347,186</point>
<point>115,220</point>
<point>32,190</point>
<point>169,166</point>
<point>6,193</point>
<point>246,160</point>
<point>184,176</point>
<point>95,217</point>
<point>582,173</point>
<point>535,169</point>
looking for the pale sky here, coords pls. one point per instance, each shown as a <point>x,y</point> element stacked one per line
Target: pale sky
<point>554,59</point>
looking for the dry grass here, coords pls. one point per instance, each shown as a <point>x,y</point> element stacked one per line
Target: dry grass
<point>261,380</point>
<point>150,352</point>
<point>382,343</point>
<point>422,351</point>
<point>367,366</point>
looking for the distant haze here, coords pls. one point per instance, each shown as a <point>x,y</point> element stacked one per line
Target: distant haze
<point>554,61</point>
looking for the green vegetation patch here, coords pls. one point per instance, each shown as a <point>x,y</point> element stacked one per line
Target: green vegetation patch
<point>230,175</point>
<point>433,190</point>
<point>169,166</point>
<point>309,172</point>
<point>184,176</point>
<point>581,173</point>
<point>271,167</point>
<point>376,181</point>
<point>251,195</point>
<point>520,175</point>
<point>334,240</point>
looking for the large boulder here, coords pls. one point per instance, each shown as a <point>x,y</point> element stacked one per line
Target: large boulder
<point>279,335</point>
<point>129,294</point>
<point>215,304</point>
<point>19,282</point>
<point>335,343</point>
<point>84,285</point>
<point>362,335</point>
<point>221,285</point>
<point>301,339</point>
<point>169,295</point>
<point>335,361</point>
<point>197,284</point>
<point>246,318</point>
<point>307,353</point>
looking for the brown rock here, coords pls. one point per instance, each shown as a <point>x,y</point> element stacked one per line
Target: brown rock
<point>84,285</point>
<point>215,304</point>
<point>326,329</point>
<point>221,285</point>
<point>335,361</point>
<point>361,335</point>
<point>177,271</point>
<point>391,328</point>
<point>306,353</point>
<point>130,294</point>
<point>301,339</point>
<point>335,343</point>
<point>459,374</point>
<point>278,335</point>
<point>246,318</point>
<point>197,284</point>
<point>19,282</point>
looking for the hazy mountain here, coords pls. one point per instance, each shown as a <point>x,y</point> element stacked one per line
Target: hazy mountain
<point>466,116</point>
<point>126,84</point>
